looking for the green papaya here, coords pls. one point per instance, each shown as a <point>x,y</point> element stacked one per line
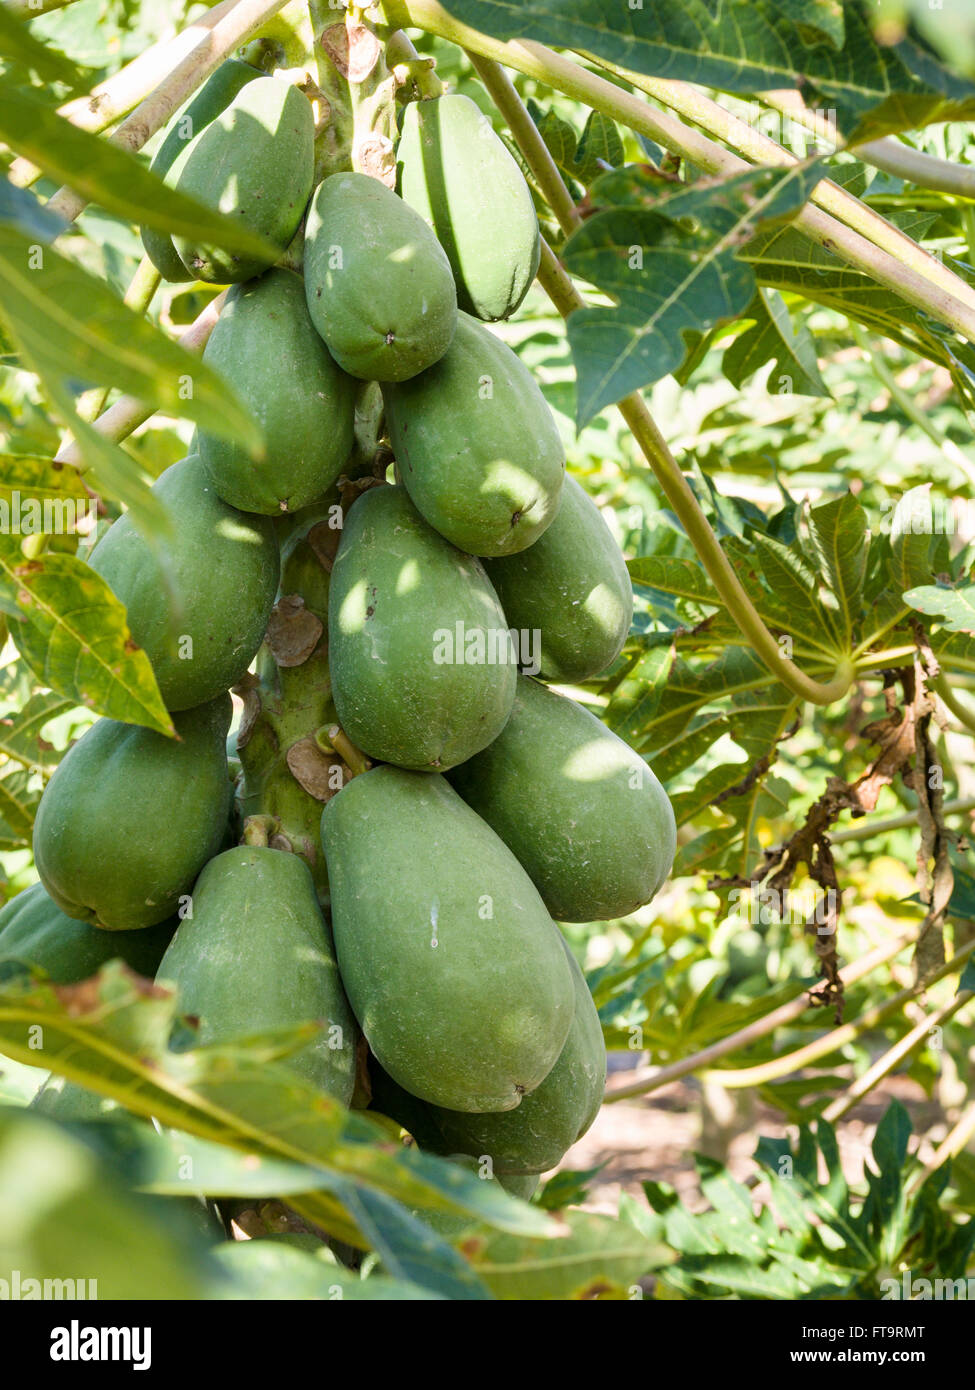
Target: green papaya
<point>255,954</point>
<point>212,98</point>
<point>130,817</point>
<point>534,1137</point>
<point>379,286</point>
<point>35,932</point>
<point>199,601</point>
<point>477,447</point>
<point>581,810</point>
<point>266,347</point>
<point>461,179</point>
<point>571,588</point>
<point>255,161</point>
<point>452,966</point>
<point>423,668</point>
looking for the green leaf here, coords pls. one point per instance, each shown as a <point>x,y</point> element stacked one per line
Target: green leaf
<point>77,329</point>
<point>598,1257</point>
<point>911,530</point>
<point>74,636</point>
<point>108,175</point>
<point>271,1269</point>
<point>772,338</point>
<point>839,532</point>
<point>20,731</point>
<point>76,1223</point>
<point>956,607</point>
<point>110,1034</point>
<point>668,280</point>
<point>747,46</point>
<point>21,50</point>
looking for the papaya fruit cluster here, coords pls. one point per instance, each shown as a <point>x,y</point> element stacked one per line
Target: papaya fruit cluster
<point>491,806</point>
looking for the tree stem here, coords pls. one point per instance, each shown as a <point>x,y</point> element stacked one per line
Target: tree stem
<point>566,298</point>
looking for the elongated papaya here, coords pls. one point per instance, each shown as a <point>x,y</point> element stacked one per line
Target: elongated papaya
<point>533,1137</point>
<point>452,966</point>
<point>461,179</point>
<point>572,588</point>
<point>255,954</point>
<point>255,161</point>
<point>422,663</point>
<point>478,449</point>
<point>581,810</point>
<point>198,603</point>
<point>130,817</point>
<point>265,345</point>
<point>379,286</point>
<point>214,96</point>
<point>35,932</point>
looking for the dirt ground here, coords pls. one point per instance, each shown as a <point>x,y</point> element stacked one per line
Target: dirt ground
<point>655,1139</point>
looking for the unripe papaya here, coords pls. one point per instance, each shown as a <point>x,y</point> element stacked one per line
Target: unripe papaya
<point>423,671</point>
<point>379,286</point>
<point>255,954</point>
<point>265,345</point>
<point>461,179</point>
<point>35,932</point>
<point>581,810</point>
<point>572,588</point>
<point>130,817</point>
<point>478,449</point>
<point>452,966</point>
<point>255,161</point>
<point>534,1137</point>
<point>214,96</point>
<point>199,602</point>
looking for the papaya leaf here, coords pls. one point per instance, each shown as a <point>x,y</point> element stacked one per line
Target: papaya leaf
<point>110,1034</point>
<point>74,636</point>
<point>24,53</point>
<point>20,731</point>
<point>78,1219</point>
<point>955,607</point>
<point>269,1268</point>
<point>113,178</point>
<point>839,534</point>
<point>635,699</point>
<point>771,337</point>
<point>911,530</point>
<point>668,279</point>
<point>18,806</point>
<point>873,88</point>
<point>82,332</point>
<point>598,1258</point>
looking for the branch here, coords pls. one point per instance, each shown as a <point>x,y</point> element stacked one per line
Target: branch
<point>740,1077</point>
<point>30,9</point>
<point>542,64</point>
<point>884,1065</point>
<point>653,1078</point>
<point>890,155</point>
<point>759,148</point>
<point>114,98</point>
<point>242,19</point>
<point>566,298</point>
<point>869,829</point>
<point>128,413</point>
